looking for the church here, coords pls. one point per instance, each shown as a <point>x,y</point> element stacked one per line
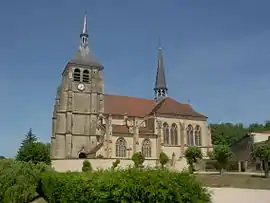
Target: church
<point>89,124</point>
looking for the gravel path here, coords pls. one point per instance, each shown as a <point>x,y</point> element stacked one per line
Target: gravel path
<point>226,195</point>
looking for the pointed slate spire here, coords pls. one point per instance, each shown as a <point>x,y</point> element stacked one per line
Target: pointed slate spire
<point>161,90</point>
<point>84,56</point>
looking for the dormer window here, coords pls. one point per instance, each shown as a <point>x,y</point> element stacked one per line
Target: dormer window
<point>77,75</point>
<point>86,76</point>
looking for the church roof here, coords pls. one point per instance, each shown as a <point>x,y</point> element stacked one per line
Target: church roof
<point>160,77</point>
<point>83,55</point>
<point>140,107</point>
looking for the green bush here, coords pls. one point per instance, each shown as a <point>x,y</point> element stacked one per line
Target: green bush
<point>138,159</point>
<point>19,180</point>
<point>115,164</point>
<point>163,159</point>
<point>213,165</point>
<point>124,186</point>
<point>86,166</point>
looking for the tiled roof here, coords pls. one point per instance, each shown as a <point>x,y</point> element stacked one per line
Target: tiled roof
<point>132,106</point>
<point>171,107</point>
<point>140,107</point>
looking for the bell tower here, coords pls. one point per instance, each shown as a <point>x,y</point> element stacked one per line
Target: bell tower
<point>161,90</point>
<point>79,104</point>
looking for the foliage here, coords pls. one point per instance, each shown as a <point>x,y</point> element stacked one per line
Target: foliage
<point>212,165</point>
<point>19,180</point>
<point>193,154</point>
<point>228,133</point>
<point>29,137</point>
<point>262,151</point>
<point>123,186</point>
<point>86,166</point>
<point>115,164</point>
<point>2,157</point>
<point>138,159</point>
<point>35,152</point>
<point>163,159</point>
<point>222,154</point>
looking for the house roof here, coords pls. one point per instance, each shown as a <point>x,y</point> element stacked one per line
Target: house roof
<point>266,132</point>
<point>141,107</point>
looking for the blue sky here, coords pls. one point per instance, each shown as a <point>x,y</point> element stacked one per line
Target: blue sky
<point>216,53</point>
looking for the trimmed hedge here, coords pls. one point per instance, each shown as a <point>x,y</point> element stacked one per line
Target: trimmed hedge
<point>211,165</point>
<point>128,186</point>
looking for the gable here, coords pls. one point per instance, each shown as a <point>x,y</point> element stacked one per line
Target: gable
<point>170,107</point>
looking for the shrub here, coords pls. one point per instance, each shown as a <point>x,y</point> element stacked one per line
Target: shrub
<point>19,180</point>
<point>86,166</point>
<point>115,164</point>
<point>163,159</point>
<point>138,159</point>
<point>123,186</point>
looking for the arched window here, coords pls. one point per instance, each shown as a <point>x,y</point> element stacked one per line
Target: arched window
<point>146,148</point>
<point>166,133</point>
<point>86,76</point>
<point>121,147</point>
<point>77,75</point>
<point>198,138</point>
<point>174,137</point>
<point>190,138</point>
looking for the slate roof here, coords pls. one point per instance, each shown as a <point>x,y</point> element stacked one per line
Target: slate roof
<point>160,77</point>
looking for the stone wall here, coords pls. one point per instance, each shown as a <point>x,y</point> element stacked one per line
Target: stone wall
<point>76,164</point>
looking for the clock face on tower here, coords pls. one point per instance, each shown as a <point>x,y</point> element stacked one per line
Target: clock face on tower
<point>81,87</point>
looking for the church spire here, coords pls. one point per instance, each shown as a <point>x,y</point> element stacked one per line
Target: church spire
<point>84,55</point>
<point>84,28</point>
<point>161,90</point>
<point>84,34</point>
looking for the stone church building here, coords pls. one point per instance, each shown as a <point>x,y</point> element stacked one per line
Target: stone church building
<point>87,123</point>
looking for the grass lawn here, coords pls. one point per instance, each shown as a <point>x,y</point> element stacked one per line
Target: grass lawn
<point>234,180</point>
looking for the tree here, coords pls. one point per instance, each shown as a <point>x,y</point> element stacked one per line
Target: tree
<point>35,152</point>
<point>222,154</point>
<point>163,159</point>
<point>86,166</point>
<point>227,133</point>
<point>193,154</point>
<point>138,159</point>
<point>263,152</point>
<point>29,137</point>
<point>2,157</point>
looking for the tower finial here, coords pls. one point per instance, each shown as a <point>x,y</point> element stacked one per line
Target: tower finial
<point>160,89</point>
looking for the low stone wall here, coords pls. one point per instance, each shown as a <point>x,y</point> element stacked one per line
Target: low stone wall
<point>76,164</point>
